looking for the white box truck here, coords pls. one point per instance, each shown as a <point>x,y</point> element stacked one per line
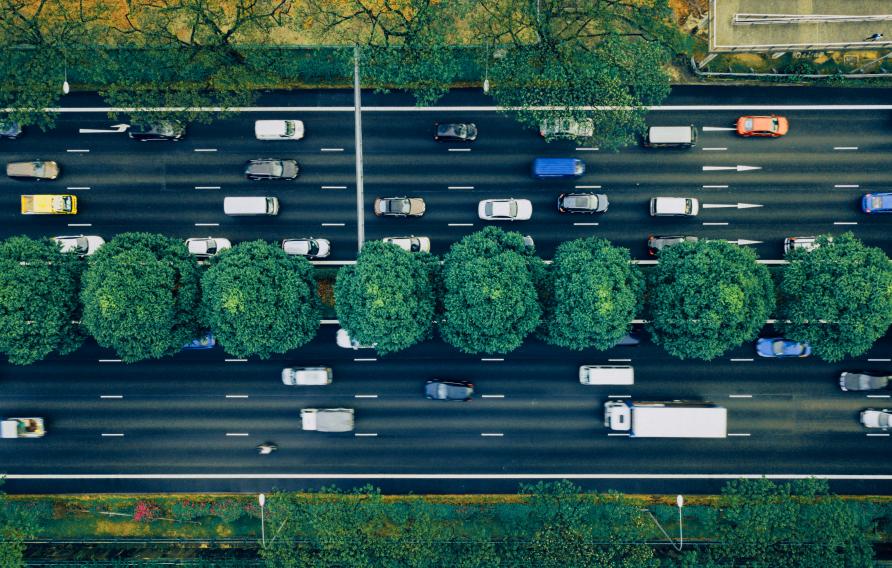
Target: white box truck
<point>327,419</point>
<point>675,419</point>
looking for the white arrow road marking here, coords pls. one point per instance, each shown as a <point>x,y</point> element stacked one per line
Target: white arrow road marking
<point>743,242</point>
<point>116,129</point>
<point>738,167</point>
<point>716,128</point>
<point>730,205</point>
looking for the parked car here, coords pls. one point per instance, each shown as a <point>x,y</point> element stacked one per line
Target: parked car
<point>206,247</point>
<point>309,247</point>
<point>674,207</point>
<point>163,130</point>
<point>271,168</point>
<point>455,132</point>
<point>863,380</point>
<point>344,340</point>
<point>278,129</point>
<point>399,207</point>
<point>582,203</point>
<point>10,129</point>
<point>206,341</point>
<point>771,126</point>
<point>505,209</point>
<point>442,389</point>
<point>80,244</point>
<point>567,128</point>
<point>803,243</point>
<point>877,203</point>
<point>33,170</point>
<point>306,376</point>
<point>410,243</point>
<point>874,418</point>
<point>657,243</point>
<point>780,348</point>
<point>529,242</point>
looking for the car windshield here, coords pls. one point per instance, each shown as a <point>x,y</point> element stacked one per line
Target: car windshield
<point>876,202</point>
<point>774,123</point>
<point>688,206</point>
<point>289,128</point>
<point>81,244</point>
<point>748,124</point>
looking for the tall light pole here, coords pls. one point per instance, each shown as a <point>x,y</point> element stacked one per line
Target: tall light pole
<point>65,87</point>
<point>262,500</point>
<point>679,502</point>
<point>486,80</point>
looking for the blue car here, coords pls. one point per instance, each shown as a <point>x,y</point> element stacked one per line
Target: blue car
<point>206,341</point>
<point>877,203</point>
<point>778,347</point>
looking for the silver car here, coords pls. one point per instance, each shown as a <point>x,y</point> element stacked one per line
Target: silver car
<point>863,381</point>
<point>309,247</point>
<point>306,376</point>
<point>873,418</point>
<point>83,245</point>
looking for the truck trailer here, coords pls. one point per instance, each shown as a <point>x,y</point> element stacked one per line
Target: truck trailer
<point>327,419</point>
<point>675,419</point>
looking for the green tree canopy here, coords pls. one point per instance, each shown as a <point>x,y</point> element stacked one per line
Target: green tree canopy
<point>259,300</point>
<point>141,296</point>
<point>706,298</point>
<point>595,293</point>
<point>490,300</point>
<point>387,297</point>
<point>837,297</point>
<point>39,299</point>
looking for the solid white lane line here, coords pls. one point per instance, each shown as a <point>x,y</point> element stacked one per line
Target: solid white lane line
<point>846,186</point>
<point>76,187</point>
<point>740,396</point>
<point>235,360</point>
<point>845,222</point>
<point>207,224</point>
<point>585,224</point>
<point>715,187</point>
<point>588,187</point>
<point>109,360</point>
<point>714,224</point>
<point>510,476</point>
<point>364,359</point>
<point>738,434</point>
<point>845,147</point>
<point>80,224</point>
<point>492,434</point>
<point>880,360</point>
<point>237,434</point>
<point>619,396</point>
<point>236,396</point>
<point>586,149</point>
<point>334,224</point>
<point>331,149</point>
<point>366,434</point>
<point>205,150</point>
<point>492,359</point>
<point>365,396</point>
<point>207,187</point>
<point>877,435</point>
<point>742,360</point>
<point>461,224</point>
<point>878,396</point>
<point>80,151</point>
<point>492,396</point>
<point>619,360</point>
<point>111,396</point>
<point>460,187</point>
<point>334,187</point>
<point>459,149</point>
<point>104,435</point>
<point>618,434</point>
<point>714,149</point>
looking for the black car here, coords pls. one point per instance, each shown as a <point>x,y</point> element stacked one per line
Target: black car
<point>656,243</point>
<point>271,168</point>
<point>10,129</point>
<point>582,203</point>
<point>863,380</point>
<point>164,130</point>
<point>455,132</point>
<point>441,389</point>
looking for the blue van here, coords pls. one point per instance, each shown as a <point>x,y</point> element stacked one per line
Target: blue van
<point>545,168</point>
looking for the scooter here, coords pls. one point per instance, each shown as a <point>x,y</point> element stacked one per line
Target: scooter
<point>267,448</point>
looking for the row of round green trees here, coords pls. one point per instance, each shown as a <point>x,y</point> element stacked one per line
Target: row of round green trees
<point>144,296</point>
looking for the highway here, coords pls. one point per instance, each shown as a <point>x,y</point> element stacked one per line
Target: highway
<point>199,415</point>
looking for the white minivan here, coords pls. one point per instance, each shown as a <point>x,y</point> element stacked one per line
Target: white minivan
<point>278,129</point>
<point>606,375</point>
<point>251,206</point>
<point>674,207</point>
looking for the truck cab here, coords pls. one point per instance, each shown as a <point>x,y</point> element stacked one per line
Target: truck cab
<point>22,428</point>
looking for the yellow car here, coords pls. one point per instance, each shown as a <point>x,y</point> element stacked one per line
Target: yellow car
<point>49,204</point>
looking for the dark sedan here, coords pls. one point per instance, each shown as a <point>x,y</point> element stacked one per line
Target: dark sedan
<point>583,203</point>
<point>271,168</point>
<point>441,389</point>
<point>863,381</point>
<point>165,130</point>
<point>455,132</point>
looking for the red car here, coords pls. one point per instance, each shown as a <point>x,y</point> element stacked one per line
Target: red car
<point>771,126</point>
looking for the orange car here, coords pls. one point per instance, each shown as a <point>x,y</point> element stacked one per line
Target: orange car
<point>771,126</point>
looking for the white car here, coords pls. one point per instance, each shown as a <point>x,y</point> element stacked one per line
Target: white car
<point>674,207</point>
<point>306,376</point>
<point>80,244</point>
<point>505,209</point>
<point>872,418</point>
<point>207,247</point>
<point>804,243</point>
<point>410,243</point>
<point>309,247</point>
<point>278,129</point>
<point>344,340</point>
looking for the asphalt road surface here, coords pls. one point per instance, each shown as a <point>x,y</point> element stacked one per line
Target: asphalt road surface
<point>191,422</point>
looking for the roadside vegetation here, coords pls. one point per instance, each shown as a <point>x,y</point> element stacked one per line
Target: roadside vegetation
<point>755,522</point>
<point>145,296</point>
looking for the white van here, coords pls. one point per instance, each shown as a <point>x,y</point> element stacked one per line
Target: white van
<point>670,137</point>
<point>278,129</point>
<point>606,375</point>
<point>251,205</point>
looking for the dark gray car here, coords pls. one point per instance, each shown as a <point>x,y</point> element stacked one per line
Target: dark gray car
<point>271,168</point>
<point>441,389</point>
<point>10,130</point>
<point>863,381</point>
<point>164,130</point>
<point>582,203</point>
